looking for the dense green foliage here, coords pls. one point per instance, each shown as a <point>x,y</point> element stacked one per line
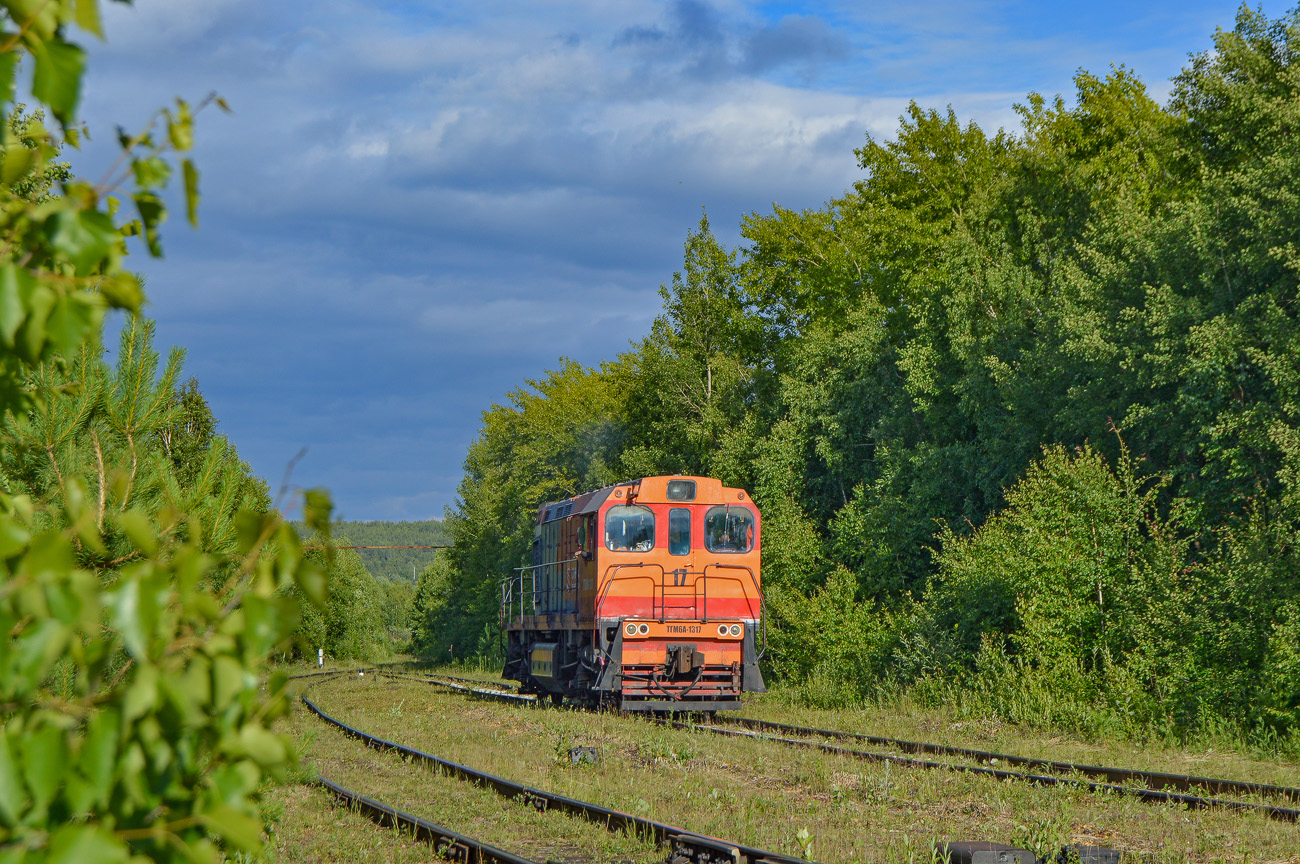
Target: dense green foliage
<point>1021,411</point>
<point>144,578</point>
<point>350,624</point>
<point>394,565</point>
<point>365,615</point>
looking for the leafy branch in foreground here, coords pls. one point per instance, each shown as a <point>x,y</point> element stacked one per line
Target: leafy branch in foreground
<point>138,602</point>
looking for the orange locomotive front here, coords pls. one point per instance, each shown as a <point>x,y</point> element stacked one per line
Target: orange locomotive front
<point>646,595</point>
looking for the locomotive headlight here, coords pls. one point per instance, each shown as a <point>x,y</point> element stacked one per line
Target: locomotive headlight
<point>629,628</point>
<point>643,629</point>
<point>736,629</point>
<point>722,629</point>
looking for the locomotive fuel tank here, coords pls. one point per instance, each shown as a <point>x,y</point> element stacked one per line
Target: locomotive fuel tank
<point>544,661</point>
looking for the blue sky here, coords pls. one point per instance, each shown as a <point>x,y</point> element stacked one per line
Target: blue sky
<point>416,206</point>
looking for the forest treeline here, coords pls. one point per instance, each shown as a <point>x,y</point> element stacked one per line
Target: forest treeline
<point>367,613</point>
<point>1021,411</point>
<point>394,565</point>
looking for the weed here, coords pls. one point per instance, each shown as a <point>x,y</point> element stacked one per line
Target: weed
<point>662,745</point>
<point>1044,837</point>
<point>563,743</point>
<point>805,843</point>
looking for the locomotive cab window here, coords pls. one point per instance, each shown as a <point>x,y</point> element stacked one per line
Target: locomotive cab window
<point>629,528</point>
<point>679,531</point>
<point>729,529</point>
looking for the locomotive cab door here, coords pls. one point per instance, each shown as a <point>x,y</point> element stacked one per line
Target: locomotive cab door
<point>678,597</point>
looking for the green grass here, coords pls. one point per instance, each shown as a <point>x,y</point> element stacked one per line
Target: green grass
<point>748,791</point>
<point>905,719</point>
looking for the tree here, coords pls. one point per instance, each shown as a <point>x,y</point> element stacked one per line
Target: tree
<point>137,612</point>
<point>555,438</point>
<point>939,388</point>
<point>350,624</point>
<point>694,382</point>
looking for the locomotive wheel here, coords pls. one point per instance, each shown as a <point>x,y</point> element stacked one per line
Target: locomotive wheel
<point>557,699</point>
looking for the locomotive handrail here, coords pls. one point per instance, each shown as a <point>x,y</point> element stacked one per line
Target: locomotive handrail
<point>699,601</point>
<point>658,596</point>
<point>526,578</point>
<point>611,576</point>
<point>762,601</point>
<point>740,582</point>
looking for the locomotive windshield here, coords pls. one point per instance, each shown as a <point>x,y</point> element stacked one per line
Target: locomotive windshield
<point>629,528</point>
<point>729,529</point>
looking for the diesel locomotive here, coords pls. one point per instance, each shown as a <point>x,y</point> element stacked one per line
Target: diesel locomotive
<point>645,596</point>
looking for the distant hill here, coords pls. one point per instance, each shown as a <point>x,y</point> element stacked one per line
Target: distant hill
<point>394,564</point>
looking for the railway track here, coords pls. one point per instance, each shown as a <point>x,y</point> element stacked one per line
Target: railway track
<point>686,847</point>
<point>448,844</point>
<point>1116,780</point>
<point>1152,779</point>
<point>977,852</point>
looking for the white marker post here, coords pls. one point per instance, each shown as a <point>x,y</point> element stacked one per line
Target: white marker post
<point>320,657</point>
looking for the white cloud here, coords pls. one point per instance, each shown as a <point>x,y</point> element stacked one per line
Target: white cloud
<point>423,204</point>
<point>367,147</point>
<point>164,25</point>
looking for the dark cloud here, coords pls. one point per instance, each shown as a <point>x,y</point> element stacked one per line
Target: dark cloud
<point>693,39</point>
<point>640,35</point>
<point>794,39</point>
<point>697,23</point>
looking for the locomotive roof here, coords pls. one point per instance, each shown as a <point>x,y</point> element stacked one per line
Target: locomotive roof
<point>588,502</point>
<point>650,489</point>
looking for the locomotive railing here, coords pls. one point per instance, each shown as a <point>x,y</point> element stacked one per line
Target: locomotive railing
<point>762,612</point>
<point>696,590</point>
<point>540,589</point>
<point>613,576</point>
<point>744,589</point>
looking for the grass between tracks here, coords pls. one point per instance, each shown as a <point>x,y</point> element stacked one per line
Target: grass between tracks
<point>798,802</point>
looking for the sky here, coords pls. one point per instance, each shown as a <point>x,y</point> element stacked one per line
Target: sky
<point>415,207</point>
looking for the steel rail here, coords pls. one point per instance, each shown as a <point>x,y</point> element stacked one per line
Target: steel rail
<point>450,682</point>
<point>303,675</point>
<point>686,845</point>
<point>956,852</point>
<point>446,843</point>
<point>1147,794</point>
<point>1153,779</point>
<point>1282,814</point>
